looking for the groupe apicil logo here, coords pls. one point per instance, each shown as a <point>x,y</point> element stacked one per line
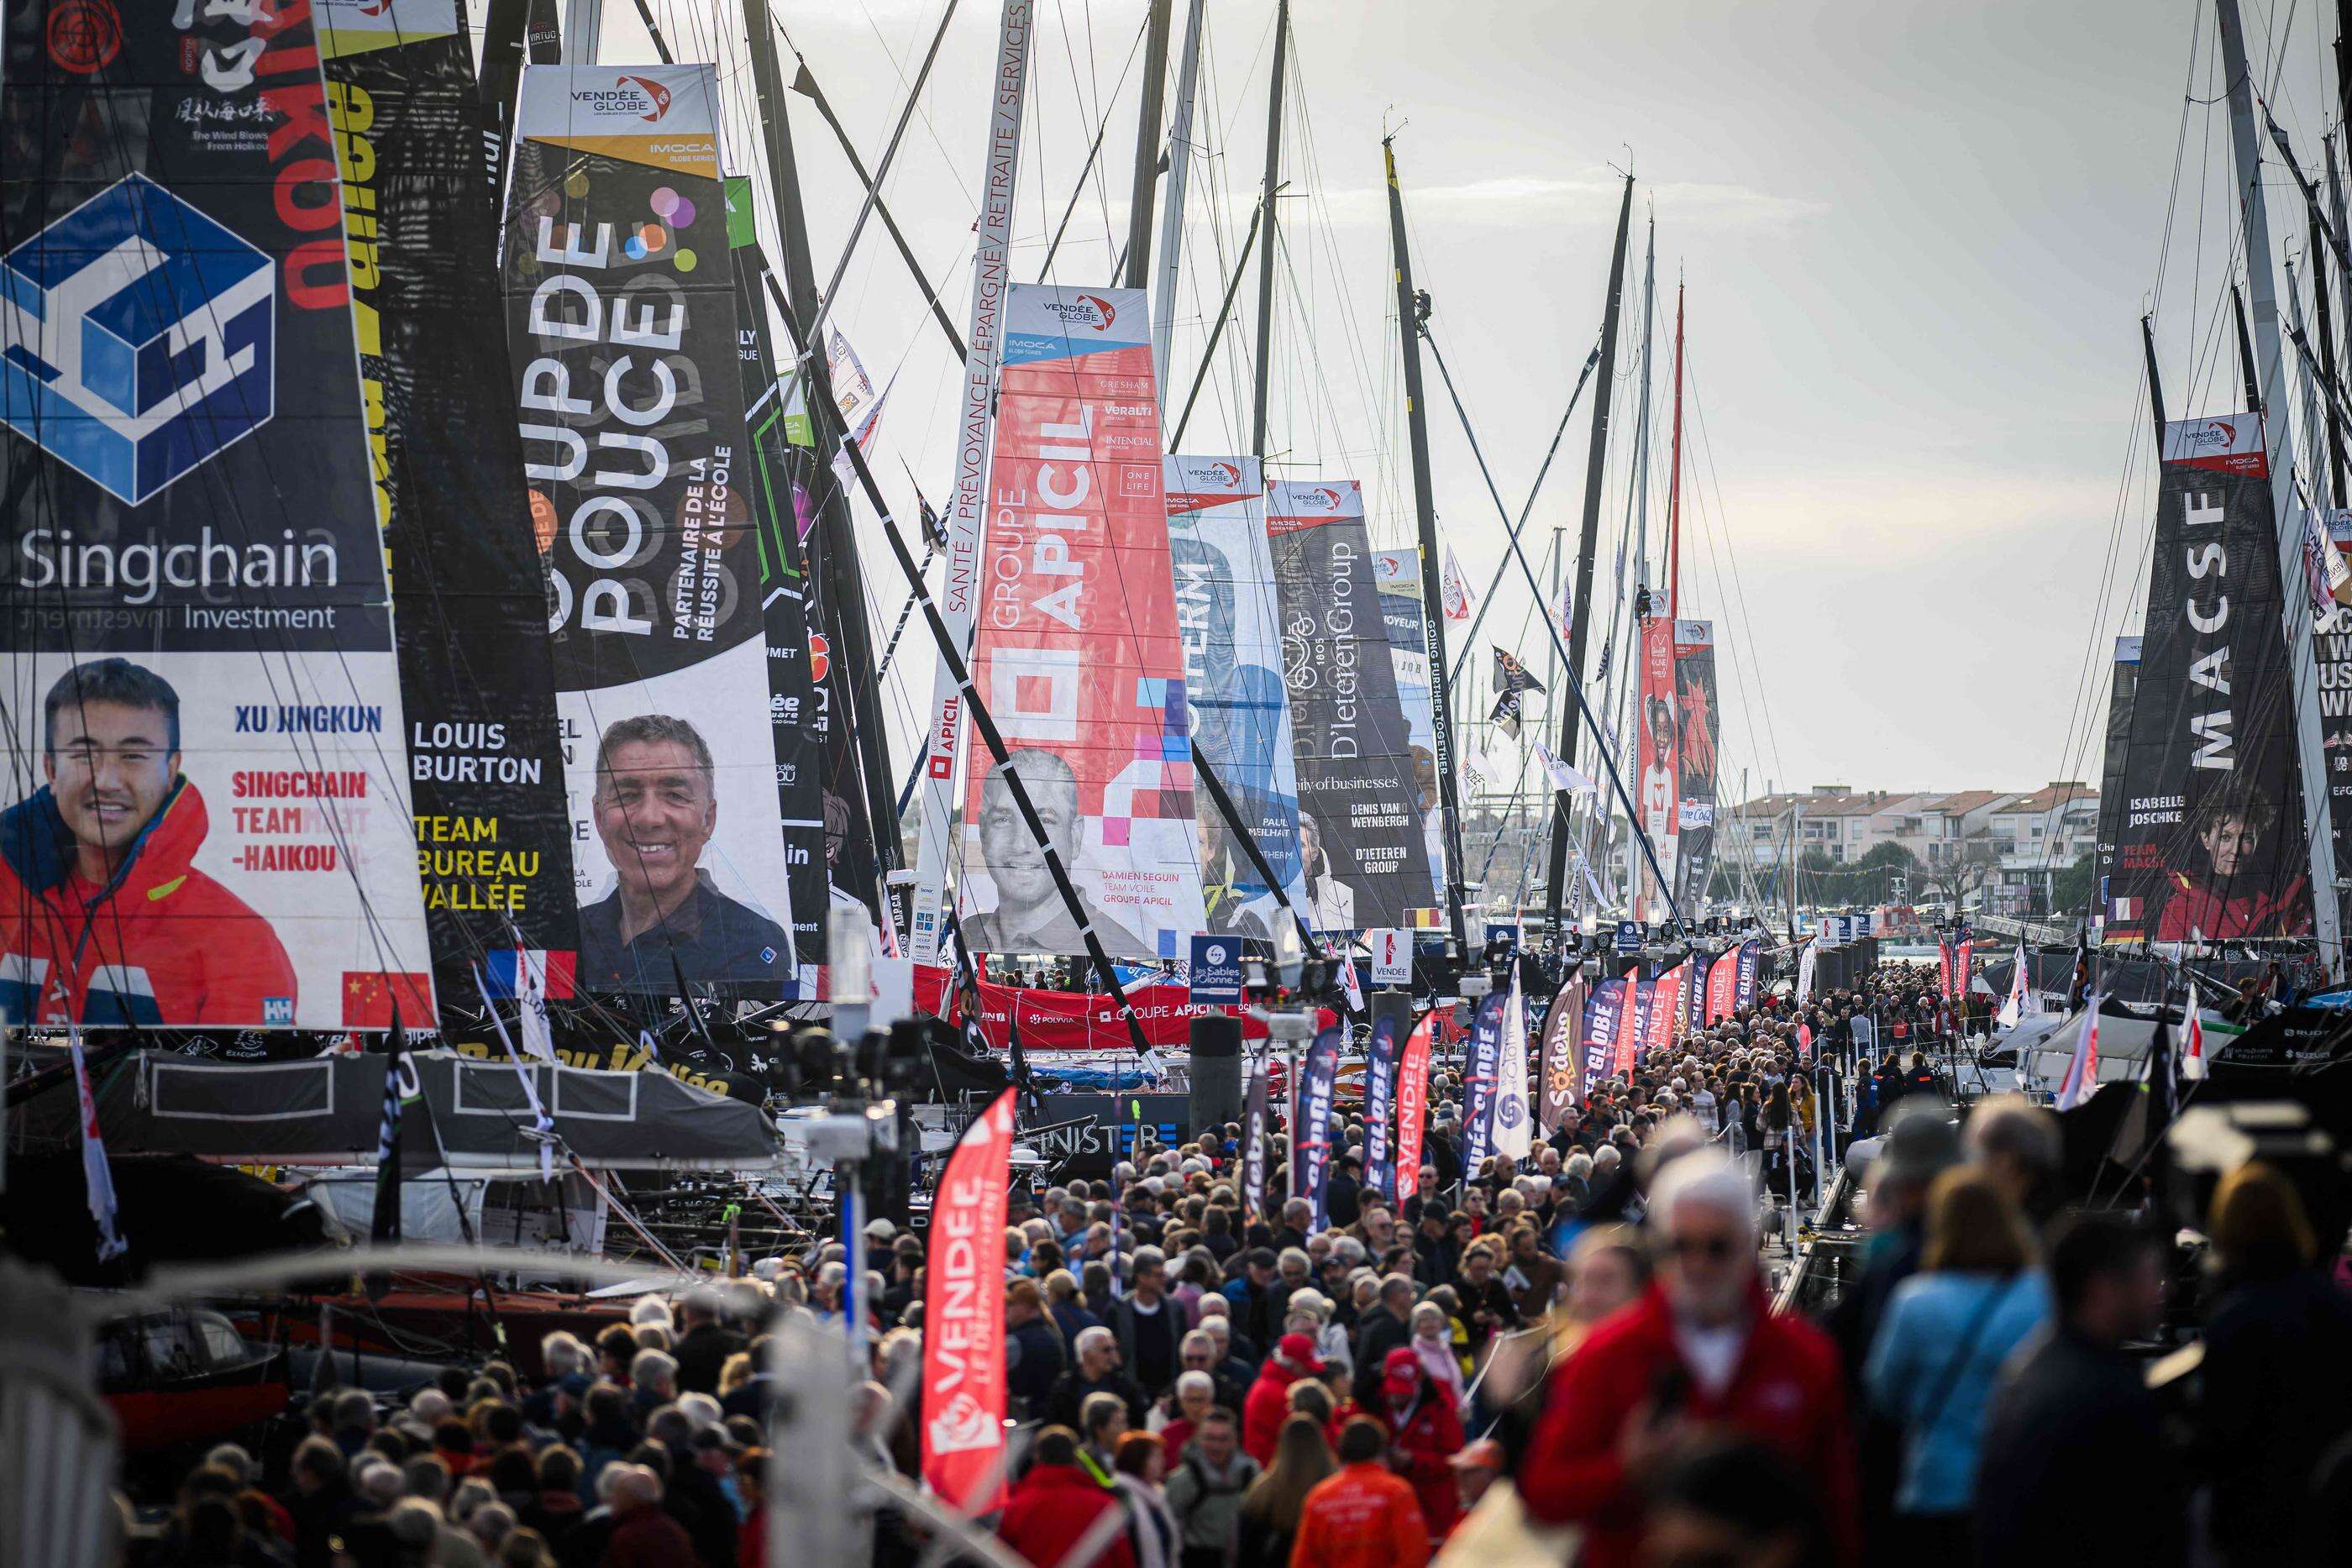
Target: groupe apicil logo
<point>640,97</point>
<point>1089,310</point>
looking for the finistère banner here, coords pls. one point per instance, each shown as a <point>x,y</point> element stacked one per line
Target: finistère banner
<point>493,836</point>
<point>1697,730</point>
<point>2123,685</point>
<point>798,708</point>
<point>1078,653</point>
<point>622,320</point>
<point>1397,575</point>
<point>1362,829</point>
<point>2212,841</point>
<point>1231,623</point>
<point>1659,790</point>
<point>207,815</point>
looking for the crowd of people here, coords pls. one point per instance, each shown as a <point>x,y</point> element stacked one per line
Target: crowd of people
<point>1571,1358</point>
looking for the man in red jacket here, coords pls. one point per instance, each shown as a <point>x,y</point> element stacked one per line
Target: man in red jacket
<point>1268,1403</point>
<point>1364,1517</point>
<point>1055,1506</point>
<point>104,918</point>
<point>1700,1352</point>
<point>1425,1433</point>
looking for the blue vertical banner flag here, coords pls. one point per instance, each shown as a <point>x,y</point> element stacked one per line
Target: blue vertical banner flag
<point>1380,1107</point>
<point>1751,958</point>
<point>1645,997</point>
<point>1604,1011</point>
<point>1254,1138</point>
<point>1694,993</point>
<point>1486,1059</point>
<point>1312,1179</point>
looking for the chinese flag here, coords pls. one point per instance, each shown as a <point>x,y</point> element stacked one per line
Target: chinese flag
<point>369,996</point>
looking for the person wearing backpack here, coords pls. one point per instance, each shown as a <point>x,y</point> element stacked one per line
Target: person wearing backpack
<point>1204,1490</point>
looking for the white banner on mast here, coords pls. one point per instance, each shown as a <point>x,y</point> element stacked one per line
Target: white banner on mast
<point>960,585</point>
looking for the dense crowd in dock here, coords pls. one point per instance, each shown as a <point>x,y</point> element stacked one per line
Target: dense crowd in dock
<point>1570,1358</point>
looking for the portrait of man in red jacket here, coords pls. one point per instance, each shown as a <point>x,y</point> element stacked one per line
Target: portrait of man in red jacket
<point>104,918</point>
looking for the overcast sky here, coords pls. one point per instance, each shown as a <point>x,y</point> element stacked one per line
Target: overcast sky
<point>1917,238</point>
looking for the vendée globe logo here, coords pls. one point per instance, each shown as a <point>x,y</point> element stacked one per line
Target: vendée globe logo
<point>137,338</point>
<point>1084,311</point>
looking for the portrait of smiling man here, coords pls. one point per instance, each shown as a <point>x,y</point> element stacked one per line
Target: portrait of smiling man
<point>1029,916</point>
<point>104,917</point>
<point>656,809</point>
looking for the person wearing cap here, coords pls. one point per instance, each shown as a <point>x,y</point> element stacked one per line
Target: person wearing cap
<point>1701,1349</point>
<point>1424,1432</point>
<point>1268,1402</point>
<point>1251,1292</point>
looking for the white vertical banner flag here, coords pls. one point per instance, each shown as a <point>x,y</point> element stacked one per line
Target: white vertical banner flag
<point>2192,1038</point>
<point>1805,972</point>
<point>530,1004</point>
<point>96,1171</point>
<point>1514,1117</point>
<point>2019,988</point>
<point>2081,1079</point>
<point>1453,587</point>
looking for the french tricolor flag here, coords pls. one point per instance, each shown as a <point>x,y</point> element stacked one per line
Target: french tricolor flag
<point>516,972</point>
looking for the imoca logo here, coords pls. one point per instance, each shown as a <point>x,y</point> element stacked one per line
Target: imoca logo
<point>137,338</point>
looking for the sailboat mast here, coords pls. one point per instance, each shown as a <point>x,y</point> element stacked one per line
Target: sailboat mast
<point>1171,222</point>
<point>844,593</point>
<point>1674,480</point>
<point>1146,144</point>
<point>1587,539</point>
<point>991,274</point>
<point>2303,671</point>
<point>1265,235</point>
<point>2155,381</point>
<point>1425,511</point>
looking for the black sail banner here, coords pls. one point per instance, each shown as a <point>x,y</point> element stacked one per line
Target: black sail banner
<point>205,816</point>
<point>777,479</point>
<point>2212,841</point>
<point>2331,651</point>
<point>493,839</point>
<point>2123,686</point>
<point>1359,817</point>
<point>622,320</point>
<point>1696,715</point>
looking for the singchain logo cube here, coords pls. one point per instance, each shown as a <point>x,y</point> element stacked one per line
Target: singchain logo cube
<point>136,338</point>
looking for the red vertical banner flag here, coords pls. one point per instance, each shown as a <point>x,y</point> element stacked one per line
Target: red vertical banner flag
<point>1660,772</point>
<point>1964,952</point>
<point>964,1317</point>
<point>1629,1028</point>
<point>1723,987</point>
<point>1412,1104</point>
<point>1078,652</point>
<point>1666,1007</point>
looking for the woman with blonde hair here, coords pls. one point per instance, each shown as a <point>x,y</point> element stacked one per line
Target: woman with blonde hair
<point>1267,1523</point>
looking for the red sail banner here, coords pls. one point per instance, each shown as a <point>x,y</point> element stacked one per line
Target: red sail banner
<point>964,1317</point>
<point>1413,1103</point>
<point>1723,987</point>
<point>1078,653</point>
<point>1073,1020</point>
<point>1660,774</point>
<point>1630,1020</point>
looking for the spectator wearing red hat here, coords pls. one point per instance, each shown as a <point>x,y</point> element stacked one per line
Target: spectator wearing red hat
<point>1424,1434</point>
<point>1268,1403</point>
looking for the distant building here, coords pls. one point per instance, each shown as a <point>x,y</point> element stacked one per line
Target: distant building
<point>2031,837</point>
